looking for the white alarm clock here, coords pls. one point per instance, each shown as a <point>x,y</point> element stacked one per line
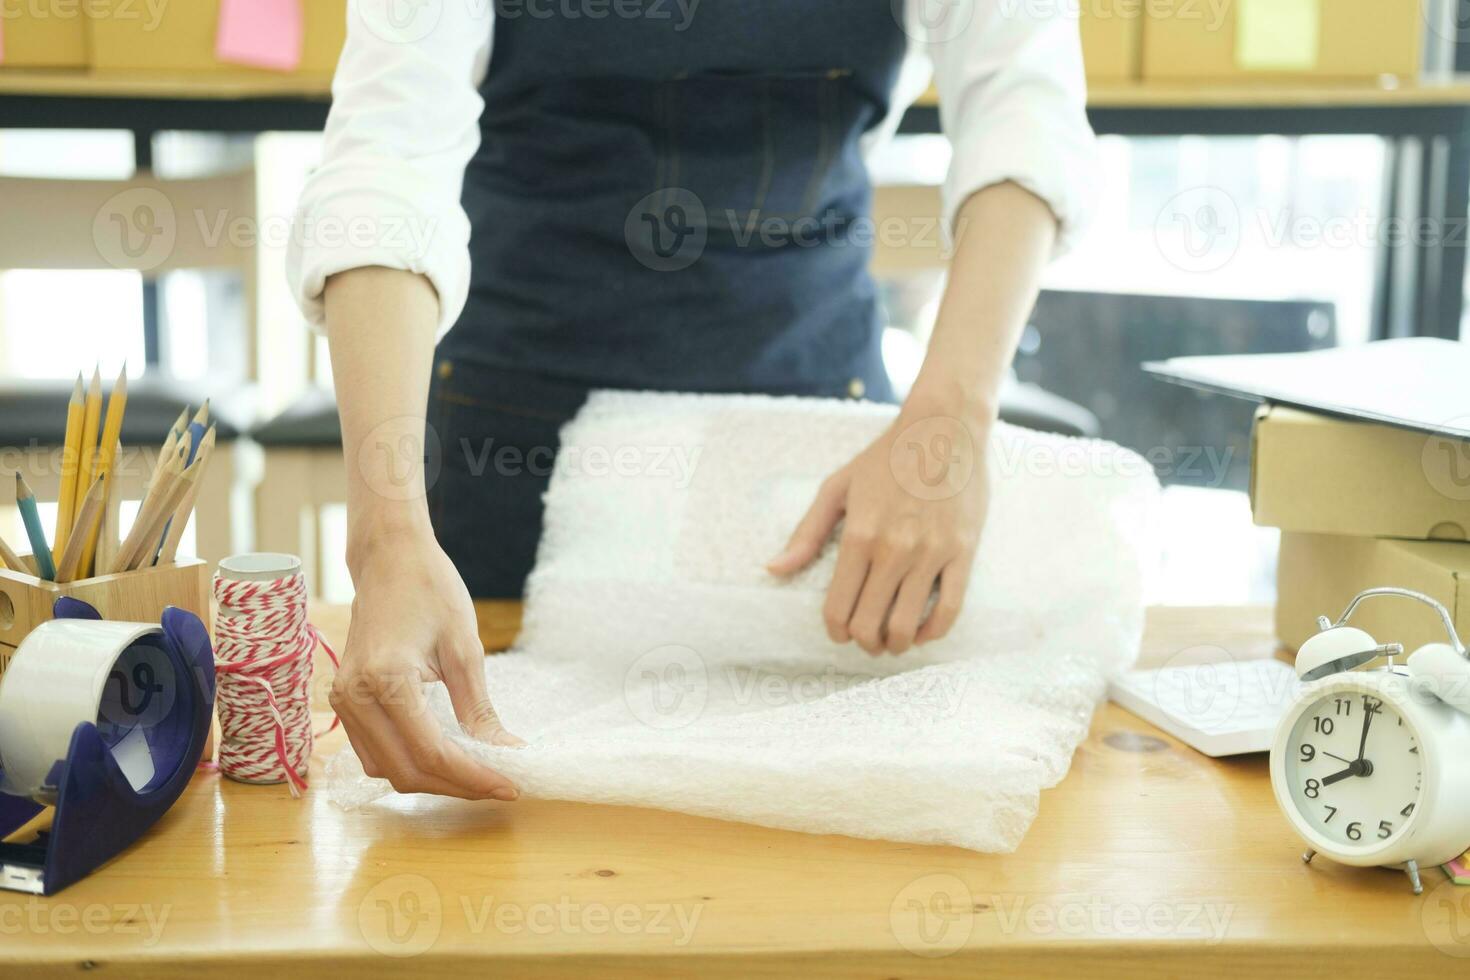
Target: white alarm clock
<point>1372,767</point>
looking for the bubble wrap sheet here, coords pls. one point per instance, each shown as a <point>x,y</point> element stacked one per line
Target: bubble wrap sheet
<point>660,665</point>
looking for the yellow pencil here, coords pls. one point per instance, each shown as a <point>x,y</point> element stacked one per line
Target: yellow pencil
<point>107,543</point>
<point>117,405</point>
<point>186,506</point>
<point>91,423</point>
<point>69,562</point>
<point>71,457</point>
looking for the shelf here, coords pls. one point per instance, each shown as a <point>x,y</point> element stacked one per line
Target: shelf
<point>1268,95</point>
<point>1102,95</point>
<point>240,84</point>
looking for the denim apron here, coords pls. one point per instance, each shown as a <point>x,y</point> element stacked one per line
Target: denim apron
<point>668,195</point>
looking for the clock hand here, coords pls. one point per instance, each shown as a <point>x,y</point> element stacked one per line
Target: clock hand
<point>1337,757</point>
<point>1367,720</point>
<point>1337,777</point>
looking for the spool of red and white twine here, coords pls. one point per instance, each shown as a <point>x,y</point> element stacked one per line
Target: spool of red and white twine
<point>263,649</point>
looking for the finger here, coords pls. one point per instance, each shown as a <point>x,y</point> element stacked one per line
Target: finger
<point>463,667</point>
<point>953,582</point>
<point>879,592</point>
<point>908,608</point>
<point>814,529</point>
<point>847,584</point>
<point>341,701</point>
<point>400,770</point>
<point>415,740</point>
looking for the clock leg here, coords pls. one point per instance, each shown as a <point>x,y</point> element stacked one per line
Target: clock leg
<point>1307,856</point>
<point>1411,868</point>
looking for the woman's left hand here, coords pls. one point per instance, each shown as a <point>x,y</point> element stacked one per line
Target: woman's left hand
<point>914,504</point>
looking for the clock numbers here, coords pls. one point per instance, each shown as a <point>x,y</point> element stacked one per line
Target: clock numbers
<point>1346,767</point>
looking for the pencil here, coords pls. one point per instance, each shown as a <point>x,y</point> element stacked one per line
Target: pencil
<point>71,457</point>
<point>117,405</point>
<point>91,422</point>
<point>170,445</point>
<point>70,561</point>
<point>26,501</point>
<point>191,438</point>
<point>175,529</point>
<point>107,542</point>
<point>10,559</point>
<point>178,489</point>
<point>165,477</point>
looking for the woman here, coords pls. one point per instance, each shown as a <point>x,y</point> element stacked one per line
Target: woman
<point>642,194</point>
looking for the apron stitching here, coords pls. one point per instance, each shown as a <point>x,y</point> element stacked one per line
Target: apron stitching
<point>517,410</point>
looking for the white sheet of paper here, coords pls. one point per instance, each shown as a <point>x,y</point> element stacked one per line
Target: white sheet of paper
<point>1420,383</point>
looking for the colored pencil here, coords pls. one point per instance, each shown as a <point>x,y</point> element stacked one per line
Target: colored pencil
<point>117,406</point>
<point>177,490</point>
<point>165,476</point>
<point>170,445</point>
<point>71,457</point>
<point>26,501</point>
<point>175,529</point>
<point>10,559</point>
<point>201,417</point>
<point>70,561</point>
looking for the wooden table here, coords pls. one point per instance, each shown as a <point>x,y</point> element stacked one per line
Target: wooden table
<point>1149,860</point>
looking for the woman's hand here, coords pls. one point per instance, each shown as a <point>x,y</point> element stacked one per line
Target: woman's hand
<point>914,501</point>
<point>412,621</point>
<point>913,504</point>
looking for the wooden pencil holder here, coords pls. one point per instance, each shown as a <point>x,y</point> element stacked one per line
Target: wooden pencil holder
<point>138,596</point>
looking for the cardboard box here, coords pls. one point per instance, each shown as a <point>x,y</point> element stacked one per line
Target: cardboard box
<point>1332,39</point>
<point>1319,574</point>
<point>1325,475</point>
<point>1112,39</point>
<point>44,36</point>
<point>180,37</point>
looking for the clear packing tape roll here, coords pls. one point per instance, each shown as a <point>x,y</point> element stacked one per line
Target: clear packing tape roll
<point>67,671</point>
<point>660,665</point>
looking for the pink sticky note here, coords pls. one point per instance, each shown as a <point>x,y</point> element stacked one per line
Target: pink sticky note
<point>260,33</point>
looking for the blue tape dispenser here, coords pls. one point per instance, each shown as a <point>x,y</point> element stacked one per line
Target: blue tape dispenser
<point>106,722</point>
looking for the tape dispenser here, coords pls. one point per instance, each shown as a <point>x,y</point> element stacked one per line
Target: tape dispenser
<point>106,722</point>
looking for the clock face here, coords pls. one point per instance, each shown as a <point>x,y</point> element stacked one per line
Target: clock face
<point>1353,768</point>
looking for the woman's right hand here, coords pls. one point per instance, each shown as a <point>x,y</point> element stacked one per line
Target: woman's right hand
<point>412,622</point>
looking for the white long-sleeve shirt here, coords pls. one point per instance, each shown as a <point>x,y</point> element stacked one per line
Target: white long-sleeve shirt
<point>406,106</point>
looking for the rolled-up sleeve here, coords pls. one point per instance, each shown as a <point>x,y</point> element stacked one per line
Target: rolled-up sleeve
<point>403,125</point>
<point>1013,102</point>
